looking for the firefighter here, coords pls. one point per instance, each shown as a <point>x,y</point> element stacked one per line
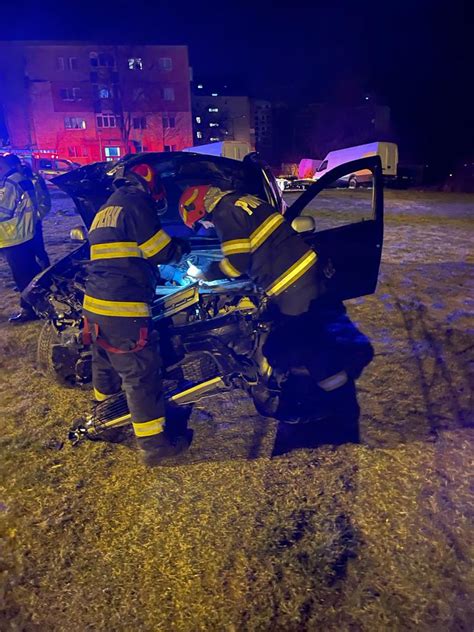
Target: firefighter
<point>17,231</point>
<point>127,244</point>
<point>258,242</point>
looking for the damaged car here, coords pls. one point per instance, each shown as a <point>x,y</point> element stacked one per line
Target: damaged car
<point>211,333</point>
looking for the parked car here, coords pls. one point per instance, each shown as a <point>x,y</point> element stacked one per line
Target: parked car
<point>211,334</point>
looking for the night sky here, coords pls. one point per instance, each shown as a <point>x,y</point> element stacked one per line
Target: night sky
<point>415,56</point>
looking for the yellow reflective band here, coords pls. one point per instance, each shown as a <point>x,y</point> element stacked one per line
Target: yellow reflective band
<point>115,250</point>
<point>155,244</point>
<point>116,308</point>
<point>148,428</point>
<point>236,247</point>
<point>228,269</point>
<point>256,239</point>
<point>292,274</point>
<point>265,230</point>
<point>100,397</point>
<point>198,387</point>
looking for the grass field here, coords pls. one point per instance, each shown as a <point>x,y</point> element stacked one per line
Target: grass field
<point>369,537</point>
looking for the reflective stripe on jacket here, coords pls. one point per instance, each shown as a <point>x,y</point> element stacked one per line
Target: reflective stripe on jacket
<point>259,242</point>
<point>17,211</point>
<point>127,243</point>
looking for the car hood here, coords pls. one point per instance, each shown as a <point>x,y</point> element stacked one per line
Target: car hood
<point>91,185</point>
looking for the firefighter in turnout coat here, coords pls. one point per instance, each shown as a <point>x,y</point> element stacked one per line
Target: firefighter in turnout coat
<point>258,242</point>
<point>127,243</point>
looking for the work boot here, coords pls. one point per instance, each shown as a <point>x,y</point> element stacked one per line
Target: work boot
<point>157,449</point>
<point>23,316</point>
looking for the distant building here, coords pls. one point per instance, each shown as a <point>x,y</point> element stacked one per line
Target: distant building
<point>89,101</point>
<point>262,114</point>
<point>219,115</point>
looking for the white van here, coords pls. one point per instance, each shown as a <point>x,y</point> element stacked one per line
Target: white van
<point>388,153</point>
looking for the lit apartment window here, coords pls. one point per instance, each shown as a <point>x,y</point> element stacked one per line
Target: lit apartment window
<point>112,153</point>
<point>60,63</point>
<point>135,63</point>
<point>168,94</point>
<point>70,94</point>
<point>213,138</point>
<point>139,122</point>
<point>72,63</point>
<point>198,119</point>
<point>200,86</point>
<point>169,121</point>
<point>74,122</point>
<point>107,120</point>
<point>214,94</point>
<point>213,109</point>
<point>213,124</point>
<point>165,63</point>
<point>199,134</point>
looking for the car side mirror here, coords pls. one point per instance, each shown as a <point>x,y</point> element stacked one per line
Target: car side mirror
<point>78,233</point>
<point>304,224</point>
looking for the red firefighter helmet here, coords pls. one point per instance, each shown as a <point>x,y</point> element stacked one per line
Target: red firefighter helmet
<point>192,206</point>
<point>154,184</point>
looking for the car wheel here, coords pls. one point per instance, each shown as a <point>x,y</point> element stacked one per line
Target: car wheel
<point>352,184</point>
<point>53,359</point>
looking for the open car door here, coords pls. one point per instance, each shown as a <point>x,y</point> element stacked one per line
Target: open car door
<point>345,229</point>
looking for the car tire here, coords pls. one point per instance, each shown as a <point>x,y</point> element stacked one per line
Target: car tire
<point>47,340</point>
<point>352,184</point>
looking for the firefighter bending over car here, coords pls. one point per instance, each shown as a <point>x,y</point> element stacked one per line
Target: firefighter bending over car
<point>258,242</point>
<point>127,244</point>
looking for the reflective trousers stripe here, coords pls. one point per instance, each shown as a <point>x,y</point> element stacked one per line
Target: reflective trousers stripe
<point>292,274</point>
<point>149,428</point>
<point>116,308</point>
<point>115,250</point>
<point>155,244</point>
<point>101,397</point>
<point>334,381</point>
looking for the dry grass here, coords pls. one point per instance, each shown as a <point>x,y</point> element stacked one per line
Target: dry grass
<point>375,536</point>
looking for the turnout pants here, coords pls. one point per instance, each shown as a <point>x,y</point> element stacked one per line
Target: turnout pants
<point>120,360</point>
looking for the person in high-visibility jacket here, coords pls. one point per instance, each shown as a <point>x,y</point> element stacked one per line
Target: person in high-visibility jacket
<point>127,244</point>
<point>17,231</point>
<point>42,202</point>
<point>258,242</point>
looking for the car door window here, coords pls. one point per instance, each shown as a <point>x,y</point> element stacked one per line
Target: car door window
<point>348,227</point>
